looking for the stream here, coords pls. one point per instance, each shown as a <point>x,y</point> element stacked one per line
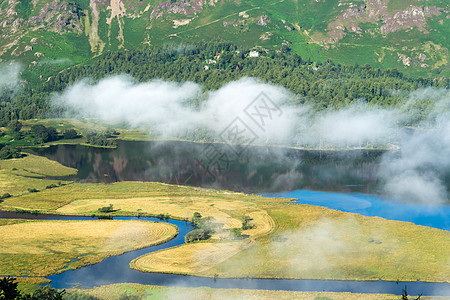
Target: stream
<point>116,269</point>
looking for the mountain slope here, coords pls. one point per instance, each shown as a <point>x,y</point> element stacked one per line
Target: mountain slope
<point>412,36</point>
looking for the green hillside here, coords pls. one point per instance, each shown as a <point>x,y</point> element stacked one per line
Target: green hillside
<point>409,35</point>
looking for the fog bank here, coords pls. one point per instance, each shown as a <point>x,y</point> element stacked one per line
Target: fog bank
<point>250,112</point>
<point>9,75</point>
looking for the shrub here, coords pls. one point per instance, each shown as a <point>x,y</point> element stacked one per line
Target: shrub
<point>247,223</point>
<point>70,134</point>
<point>14,126</point>
<point>8,152</point>
<point>50,186</point>
<point>204,228</point>
<point>48,292</point>
<point>5,195</point>
<point>163,216</point>
<point>197,235</point>
<point>106,209</point>
<point>236,233</point>
<point>33,190</point>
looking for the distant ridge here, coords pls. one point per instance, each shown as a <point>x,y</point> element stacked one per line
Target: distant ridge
<point>411,36</point>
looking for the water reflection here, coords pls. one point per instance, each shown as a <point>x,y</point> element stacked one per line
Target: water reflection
<point>258,169</point>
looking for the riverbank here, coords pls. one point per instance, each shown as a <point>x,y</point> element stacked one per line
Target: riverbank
<point>116,291</point>
<point>287,240</point>
<point>146,135</point>
<point>39,248</point>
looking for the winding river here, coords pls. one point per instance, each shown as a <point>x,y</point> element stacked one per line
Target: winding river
<point>343,180</point>
<point>116,269</point>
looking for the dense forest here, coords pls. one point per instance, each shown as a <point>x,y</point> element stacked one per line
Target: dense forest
<point>323,84</point>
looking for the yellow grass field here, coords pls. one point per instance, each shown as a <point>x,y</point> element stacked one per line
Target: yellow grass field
<point>19,174</point>
<point>189,259</point>
<point>148,292</point>
<point>41,248</point>
<point>288,241</point>
<point>318,243</point>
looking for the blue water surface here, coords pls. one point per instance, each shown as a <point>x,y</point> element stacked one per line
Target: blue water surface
<point>437,216</point>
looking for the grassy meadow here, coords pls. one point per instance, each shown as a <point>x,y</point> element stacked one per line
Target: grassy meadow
<point>316,243</point>
<point>116,291</point>
<point>17,175</point>
<point>41,248</point>
<point>288,241</point>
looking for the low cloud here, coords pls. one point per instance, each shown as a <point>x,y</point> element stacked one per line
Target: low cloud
<point>9,75</point>
<point>261,113</point>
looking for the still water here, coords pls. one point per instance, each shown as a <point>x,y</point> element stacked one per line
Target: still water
<point>256,169</point>
<point>437,216</point>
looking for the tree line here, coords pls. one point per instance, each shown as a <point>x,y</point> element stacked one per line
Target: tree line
<point>213,64</point>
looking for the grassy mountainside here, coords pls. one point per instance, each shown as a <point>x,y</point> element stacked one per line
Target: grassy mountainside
<point>411,35</point>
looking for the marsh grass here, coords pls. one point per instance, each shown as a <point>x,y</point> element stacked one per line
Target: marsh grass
<point>288,241</point>
<point>41,248</point>
<point>116,291</point>
<point>318,243</point>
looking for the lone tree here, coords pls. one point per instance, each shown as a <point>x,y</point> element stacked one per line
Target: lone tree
<point>106,209</point>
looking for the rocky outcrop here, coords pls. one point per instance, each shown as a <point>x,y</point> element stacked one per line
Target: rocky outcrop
<point>373,11</point>
<point>58,16</point>
<point>184,7</point>
<point>413,16</point>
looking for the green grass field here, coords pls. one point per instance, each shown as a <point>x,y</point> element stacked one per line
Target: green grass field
<point>20,174</point>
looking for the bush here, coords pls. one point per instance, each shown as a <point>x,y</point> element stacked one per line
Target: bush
<point>236,233</point>
<point>5,195</point>
<point>99,139</point>
<point>50,186</point>
<point>33,190</point>
<point>44,134</point>
<point>14,126</point>
<point>163,216</point>
<point>70,134</point>
<point>198,234</point>
<point>203,231</point>
<point>79,296</point>
<point>8,152</point>
<point>247,223</point>
<point>197,216</point>
<point>47,292</point>
<point>26,211</point>
<point>106,209</point>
